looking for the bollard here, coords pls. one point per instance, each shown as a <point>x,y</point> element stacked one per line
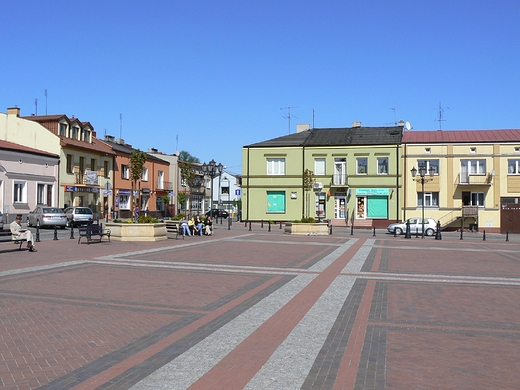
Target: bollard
<point>373,235</point>
<point>229,224</point>
<point>408,234</point>
<point>507,236</point>
<point>55,232</point>
<point>269,228</point>
<point>416,232</point>
<point>71,232</point>
<point>395,232</point>
<point>484,236</point>
<point>352,229</point>
<point>245,223</point>
<point>37,234</point>
<point>280,224</point>
<point>438,235</point>
<point>330,227</point>
<point>262,224</point>
<point>249,225</point>
<point>462,234</point>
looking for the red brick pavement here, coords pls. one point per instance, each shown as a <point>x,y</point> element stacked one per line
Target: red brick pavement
<point>86,325</point>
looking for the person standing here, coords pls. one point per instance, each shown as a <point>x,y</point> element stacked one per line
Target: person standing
<point>22,234</point>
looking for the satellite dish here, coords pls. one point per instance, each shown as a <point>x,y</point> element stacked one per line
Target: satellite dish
<point>408,126</point>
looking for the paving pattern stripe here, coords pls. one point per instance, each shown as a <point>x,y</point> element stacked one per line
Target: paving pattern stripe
<point>484,280</point>
<point>451,327</point>
<point>40,268</point>
<point>139,350</point>
<point>185,370</point>
<point>241,365</point>
<point>388,245</point>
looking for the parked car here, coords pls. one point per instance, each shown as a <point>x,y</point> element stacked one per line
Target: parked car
<point>221,213</point>
<point>1,221</point>
<point>47,216</point>
<point>430,226</point>
<point>79,215</point>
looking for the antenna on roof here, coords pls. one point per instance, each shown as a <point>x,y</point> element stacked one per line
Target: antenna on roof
<point>395,118</point>
<point>440,120</point>
<point>46,102</point>
<point>288,116</point>
<point>36,106</point>
<point>121,126</point>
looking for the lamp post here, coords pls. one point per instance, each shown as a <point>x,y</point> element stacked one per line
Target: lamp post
<point>422,179</point>
<point>197,183</point>
<point>211,169</point>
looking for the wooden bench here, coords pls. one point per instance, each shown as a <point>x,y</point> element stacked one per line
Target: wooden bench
<point>174,227</point>
<point>6,236</point>
<point>90,231</point>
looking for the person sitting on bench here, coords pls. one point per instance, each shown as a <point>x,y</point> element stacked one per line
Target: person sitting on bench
<point>22,234</point>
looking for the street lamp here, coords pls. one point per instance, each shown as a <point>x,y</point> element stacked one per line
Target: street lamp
<point>211,169</point>
<point>197,183</point>
<point>423,179</point>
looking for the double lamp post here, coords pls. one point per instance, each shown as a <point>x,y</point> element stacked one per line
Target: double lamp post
<point>422,179</point>
<point>212,169</point>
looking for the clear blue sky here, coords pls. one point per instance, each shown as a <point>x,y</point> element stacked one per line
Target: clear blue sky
<point>217,73</point>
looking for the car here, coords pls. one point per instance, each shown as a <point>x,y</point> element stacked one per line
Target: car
<point>1,221</point>
<point>430,226</point>
<point>43,216</point>
<point>216,213</point>
<point>79,215</point>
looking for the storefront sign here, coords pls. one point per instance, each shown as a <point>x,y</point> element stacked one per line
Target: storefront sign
<point>94,190</point>
<point>123,192</point>
<point>372,191</point>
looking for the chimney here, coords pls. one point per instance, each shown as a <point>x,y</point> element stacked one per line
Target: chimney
<point>152,150</point>
<point>356,124</point>
<point>120,141</point>
<point>109,138</point>
<point>302,127</point>
<point>401,123</point>
<point>14,111</point>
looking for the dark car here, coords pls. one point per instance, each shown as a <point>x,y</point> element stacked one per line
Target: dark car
<point>217,213</point>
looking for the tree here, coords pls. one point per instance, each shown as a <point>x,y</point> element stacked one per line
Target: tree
<point>166,200</point>
<point>187,157</point>
<point>137,160</point>
<point>181,198</point>
<point>187,172</point>
<point>308,182</point>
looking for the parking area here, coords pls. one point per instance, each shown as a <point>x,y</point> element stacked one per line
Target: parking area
<point>260,309</point>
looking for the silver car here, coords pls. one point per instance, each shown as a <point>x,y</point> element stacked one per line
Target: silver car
<point>47,216</point>
<point>430,226</point>
<point>79,215</point>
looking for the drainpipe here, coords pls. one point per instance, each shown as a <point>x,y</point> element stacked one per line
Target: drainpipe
<point>405,157</point>
<point>247,186</point>
<point>303,187</point>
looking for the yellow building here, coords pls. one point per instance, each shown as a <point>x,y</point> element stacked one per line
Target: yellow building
<point>475,181</point>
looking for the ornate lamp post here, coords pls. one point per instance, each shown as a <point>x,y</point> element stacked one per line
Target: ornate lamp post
<point>422,179</point>
<point>212,170</point>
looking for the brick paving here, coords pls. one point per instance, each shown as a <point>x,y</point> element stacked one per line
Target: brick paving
<point>262,310</point>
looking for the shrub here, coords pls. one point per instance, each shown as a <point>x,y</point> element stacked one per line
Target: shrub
<point>147,219</point>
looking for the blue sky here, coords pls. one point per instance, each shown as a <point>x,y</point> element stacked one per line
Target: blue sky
<point>217,73</point>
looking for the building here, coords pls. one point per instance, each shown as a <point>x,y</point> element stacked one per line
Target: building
<point>475,182</point>
<point>172,159</point>
<point>351,176</point>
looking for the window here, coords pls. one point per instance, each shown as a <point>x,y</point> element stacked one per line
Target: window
<point>82,166</point>
<point>86,135</point>
<point>160,180</point>
<point>106,169</point>
<point>362,165</point>
<point>276,166</point>
<point>74,134</point>
<point>513,167</point>
<point>20,192</point>
<point>93,164</point>
<point>382,165</point>
<point>63,130</point>
<point>473,150</point>
<point>124,202</point>
<point>276,202</point>
<point>70,163</point>
<point>431,199</point>
<point>144,176</point>
<point>125,172</point>
<point>477,199</point>
<point>474,167</point>
<point>319,166</point>
<point>40,194</point>
<point>429,163</point>
<point>340,171</point>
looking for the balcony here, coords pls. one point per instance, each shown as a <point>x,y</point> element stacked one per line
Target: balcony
<point>339,179</point>
<point>165,186</point>
<point>483,179</point>
<point>470,211</point>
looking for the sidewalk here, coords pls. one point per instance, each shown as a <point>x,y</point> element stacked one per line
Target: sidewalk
<point>262,310</point>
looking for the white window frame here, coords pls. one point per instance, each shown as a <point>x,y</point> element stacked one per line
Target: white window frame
<point>429,163</point>
<point>513,167</point>
<point>320,167</point>
<point>160,180</point>
<point>479,198</point>
<point>125,171</point>
<point>431,199</point>
<point>340,171</point>
<point>276,166</point>
<point>382,166</point>
<point>144,175</point>
<point>19,192</point>
<point>362,164</point>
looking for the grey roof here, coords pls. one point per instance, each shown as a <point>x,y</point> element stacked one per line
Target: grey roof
<point>337,137</point>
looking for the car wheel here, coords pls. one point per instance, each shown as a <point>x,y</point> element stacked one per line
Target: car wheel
<point>398,231</point>
<point>429,232</point>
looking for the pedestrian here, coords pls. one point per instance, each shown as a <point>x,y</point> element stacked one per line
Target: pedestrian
<point>208,223</point>
<point>22,234</point>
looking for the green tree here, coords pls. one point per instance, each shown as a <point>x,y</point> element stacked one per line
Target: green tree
<point>308,182</point>
<point>181,198</point>
<point>166,200</point>
<point>187,157</point>
<point>137,160</point>
<point>187,172</point>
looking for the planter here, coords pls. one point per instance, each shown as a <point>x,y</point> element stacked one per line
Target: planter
<point>318,229</point>
<point>137,231</point>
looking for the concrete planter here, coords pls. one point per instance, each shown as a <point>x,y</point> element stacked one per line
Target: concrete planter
<point>318,229</point>
<point>137,231</point>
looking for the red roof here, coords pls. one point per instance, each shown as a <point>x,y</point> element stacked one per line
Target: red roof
<point>20,148</point>
<point>461,136</point>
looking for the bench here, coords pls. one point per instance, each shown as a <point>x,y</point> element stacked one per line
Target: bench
<point>174,227</point>
<point>89,231</point>
<point>6,236</point>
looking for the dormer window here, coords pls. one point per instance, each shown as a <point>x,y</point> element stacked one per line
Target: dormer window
<point>74,133</point>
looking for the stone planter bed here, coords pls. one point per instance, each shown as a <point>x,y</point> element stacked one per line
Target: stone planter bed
<point>137,231</point>
<point>318,229</point>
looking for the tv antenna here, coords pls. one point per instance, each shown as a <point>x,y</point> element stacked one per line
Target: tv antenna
<point>288,116</point>
<point>395,118</point>
<point>441,112</point>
